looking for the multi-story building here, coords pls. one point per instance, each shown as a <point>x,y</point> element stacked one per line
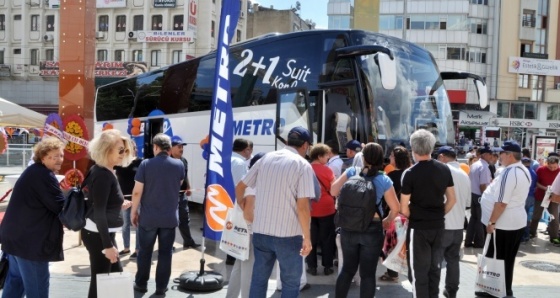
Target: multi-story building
<point>262,20</point>
<point>341,14</point>
<point>132,36</point>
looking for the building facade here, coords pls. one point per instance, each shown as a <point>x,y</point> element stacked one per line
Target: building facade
<point>263,20</point>
<point>132,36</point>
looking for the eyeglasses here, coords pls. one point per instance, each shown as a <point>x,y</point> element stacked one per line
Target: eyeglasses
<point>122,150</point>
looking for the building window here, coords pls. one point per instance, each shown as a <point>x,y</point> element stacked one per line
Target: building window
<point>157,22</point>
<point>138,23</point>
<point>17,51</point>
<point>50,23</point>
<point>480,2</point>
<point>2,22</point>
<point>476,55</point>
<point>517,110</point>
<point>478,26</point>
<point>119,55</point>
<point>178,23</point>
<point>156,56</point>
<point>390,22</point>
<point>137,56</point>
<point>2,57</point>
<point>49,54</point>
<point>553,112</point>
<point>121,23</point>
<point>212,29</point>
<point>528,18</point>
<point>101,55</point>
<point>34,57</point>
<point>238,35</point>
<point>103,23</point>
<point>523,81</point>
<point>35,22</point>
<point>455,53</point>
<point>176,56</point>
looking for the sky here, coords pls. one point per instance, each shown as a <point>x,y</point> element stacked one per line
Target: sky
<point>316,10</point>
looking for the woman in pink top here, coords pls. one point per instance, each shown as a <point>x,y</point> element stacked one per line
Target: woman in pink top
<point>322,213</point>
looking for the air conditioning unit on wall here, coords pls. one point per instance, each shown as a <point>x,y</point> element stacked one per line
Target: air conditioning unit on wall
<point>99,35</point>
<point>48,37</point>
<point>132,35</point>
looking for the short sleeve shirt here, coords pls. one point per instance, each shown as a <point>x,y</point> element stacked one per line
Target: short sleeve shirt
<point>479,175</point>
<point>426,183</point>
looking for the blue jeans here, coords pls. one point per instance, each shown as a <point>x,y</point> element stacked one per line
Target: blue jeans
<point>126,230</point>
<point>529,203</point>
<point>363,249</point>
<point>26,277</point>
<point>267,250</point>
<point>147,237</point>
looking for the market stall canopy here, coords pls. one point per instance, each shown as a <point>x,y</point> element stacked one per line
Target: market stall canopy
<point>12,114</point>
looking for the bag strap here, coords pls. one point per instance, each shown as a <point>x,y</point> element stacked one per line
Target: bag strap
<point>487,244</point>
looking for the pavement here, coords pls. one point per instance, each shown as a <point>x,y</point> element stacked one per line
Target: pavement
<point>70,278</point>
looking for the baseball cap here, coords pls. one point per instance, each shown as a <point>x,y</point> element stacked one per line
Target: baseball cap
<point>354,145</point>
<point>553,154</point>
<point>485,149</point>
<point>176,140</point>
<point>445,149</point>
<point>525,159</point>
<point>301,134</point>
<point>510,146</point>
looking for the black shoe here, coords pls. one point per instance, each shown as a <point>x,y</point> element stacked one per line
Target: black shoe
<point>468,245</point>
<point>230,260</point>
<point>140,289</point>
<point>160,292</point>
<point>192,245</point>
<point>124,252</point>
<point>328,271</point>
<point>312,271</point>
<point>482,294</point>
<point>307,286</point>
<point>133,256</point>
<point>448,295</point>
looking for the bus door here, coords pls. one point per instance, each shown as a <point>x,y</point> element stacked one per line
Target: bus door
<point>151,128</point>
<point>341,113</point>
<point>292,110</point>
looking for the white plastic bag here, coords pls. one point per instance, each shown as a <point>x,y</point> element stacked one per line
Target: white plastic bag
<point>491,277</point>
<point>235,236</point>
<point>546,199</point>
<point>396,260</point>
<point>115,284</point>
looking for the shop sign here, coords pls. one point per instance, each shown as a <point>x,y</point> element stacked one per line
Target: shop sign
<point>474,118</point>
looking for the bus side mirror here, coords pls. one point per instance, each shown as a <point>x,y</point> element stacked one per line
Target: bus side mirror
<point>387,70</point>
<point>482,91</point>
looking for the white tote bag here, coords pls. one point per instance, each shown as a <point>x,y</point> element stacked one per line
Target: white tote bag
<point>396,260</point>
<point>491,276</point>
<point>235,236</point>
<point>115,284</point>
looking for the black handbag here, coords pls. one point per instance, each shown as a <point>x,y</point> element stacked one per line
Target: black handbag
<point>4,266</point>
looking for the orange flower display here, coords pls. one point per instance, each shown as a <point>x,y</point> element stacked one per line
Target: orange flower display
<point>74,125</point>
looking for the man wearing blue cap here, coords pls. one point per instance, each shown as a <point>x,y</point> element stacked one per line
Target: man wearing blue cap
<point>176,151</point>
<point>503,210</point>
<point>354,154</point>
<point>481,177</point>
<point>281,224</point>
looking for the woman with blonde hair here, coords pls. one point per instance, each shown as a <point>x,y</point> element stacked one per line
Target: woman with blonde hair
<point>31,232</point>
<point>105,201</point>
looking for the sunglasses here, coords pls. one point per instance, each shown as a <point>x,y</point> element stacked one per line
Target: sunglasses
<point>123,150</point>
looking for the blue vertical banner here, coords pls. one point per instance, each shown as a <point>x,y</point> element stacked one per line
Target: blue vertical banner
<point>220,191</point>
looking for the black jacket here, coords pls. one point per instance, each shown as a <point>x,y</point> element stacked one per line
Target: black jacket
<point>31,228</point>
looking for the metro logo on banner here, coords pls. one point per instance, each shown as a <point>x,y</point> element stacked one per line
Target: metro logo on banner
<point>220,191</point>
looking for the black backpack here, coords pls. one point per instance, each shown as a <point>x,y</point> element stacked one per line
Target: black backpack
<point>74,210</point>
<point>357,203</point>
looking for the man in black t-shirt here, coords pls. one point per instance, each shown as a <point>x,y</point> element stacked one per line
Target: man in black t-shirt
<point>422,201</point>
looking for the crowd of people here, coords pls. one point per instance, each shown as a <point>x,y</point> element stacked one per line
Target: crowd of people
<point>289,199</point>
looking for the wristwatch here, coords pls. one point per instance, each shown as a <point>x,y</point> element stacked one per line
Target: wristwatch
<point>491,223</point>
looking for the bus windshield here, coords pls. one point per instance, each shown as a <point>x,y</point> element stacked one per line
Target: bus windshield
<point>418,101</point>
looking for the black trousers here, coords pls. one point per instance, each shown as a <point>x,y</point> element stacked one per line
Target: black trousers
<point>507,245</point>
<point>475,229</point>
<point>184,221</point>
<point>424,254</point>
<point>97,260</point>
<point>323,233</point>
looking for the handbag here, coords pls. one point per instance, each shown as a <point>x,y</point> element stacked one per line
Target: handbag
<point>4,267</point>
<point>490,276</point>
<point>235,236</point>
<point>396,257</point>
<point>115,284</point>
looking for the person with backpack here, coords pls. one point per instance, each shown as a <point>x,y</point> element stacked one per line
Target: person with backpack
<point>31,232</point>
<point>422,201</point>
<point>105,202</point>
<point>361,219</point>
